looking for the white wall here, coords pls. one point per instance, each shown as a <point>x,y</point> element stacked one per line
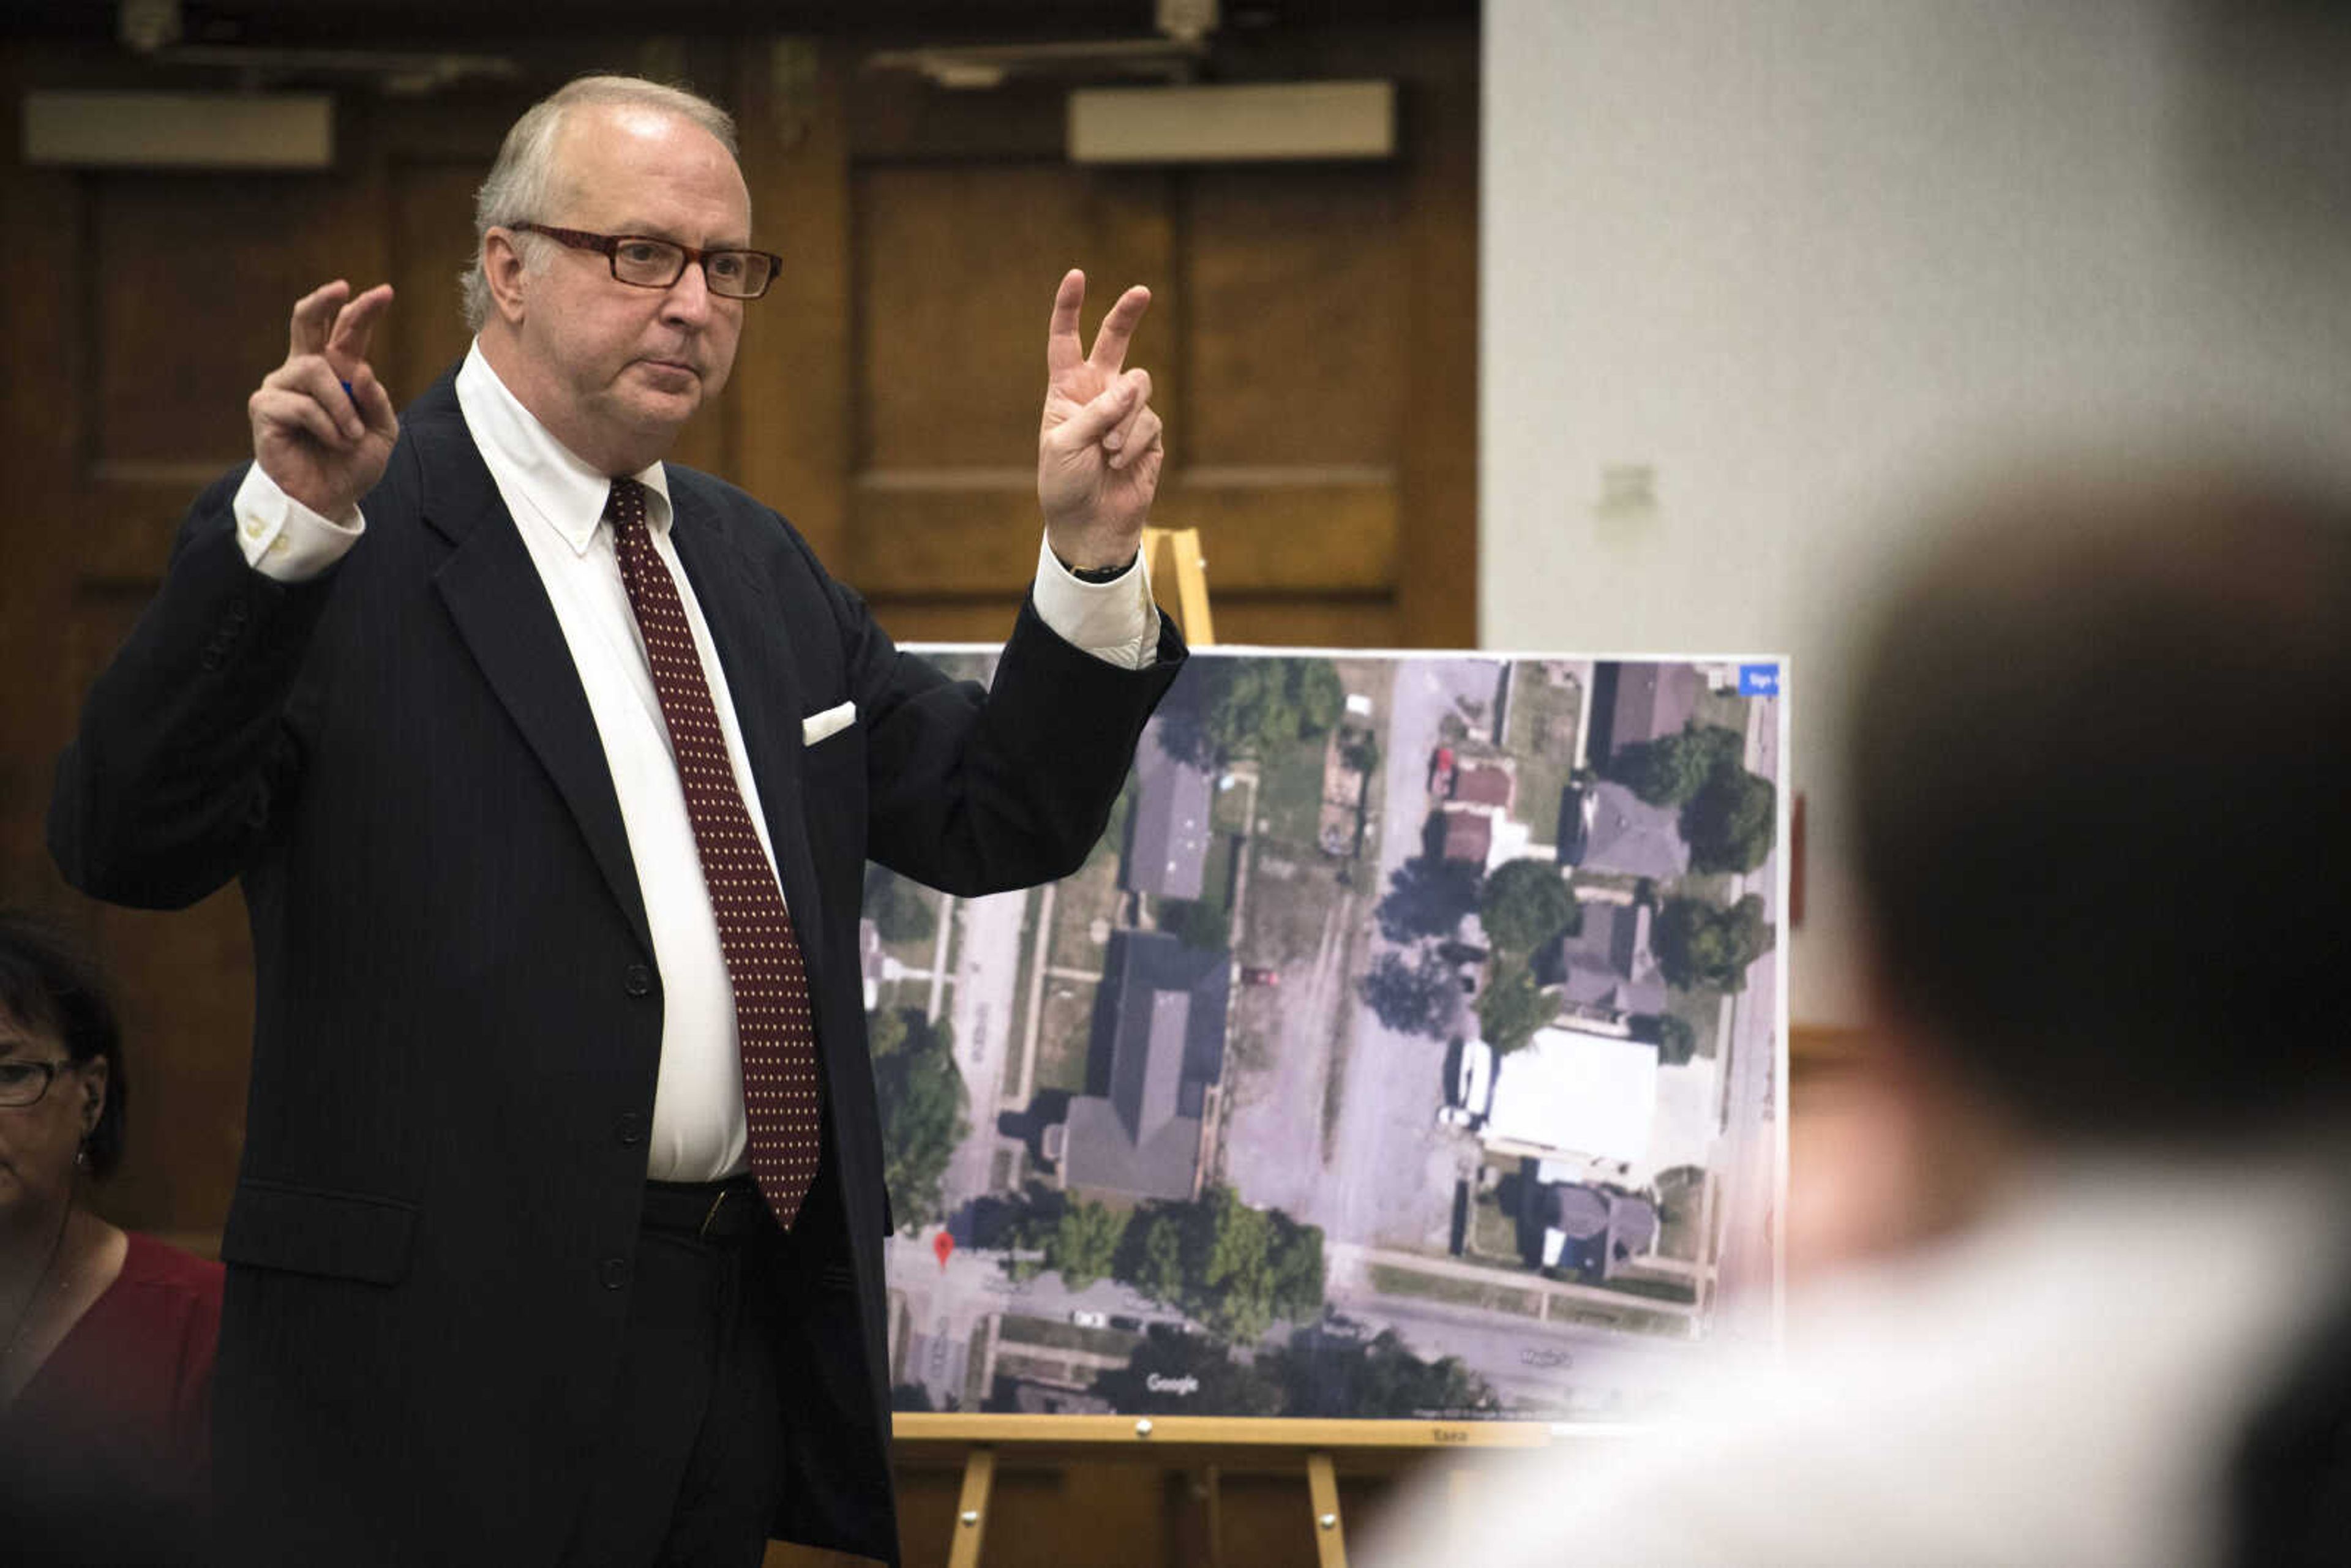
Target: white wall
<point>1805,256</point>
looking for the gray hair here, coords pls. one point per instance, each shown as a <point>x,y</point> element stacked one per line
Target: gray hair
<point>521,187</point>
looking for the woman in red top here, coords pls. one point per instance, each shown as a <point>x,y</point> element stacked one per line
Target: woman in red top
<point>106,1338</point>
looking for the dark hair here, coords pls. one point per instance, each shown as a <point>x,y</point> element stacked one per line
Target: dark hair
<point>2101,756</point>
<point>46,982</point>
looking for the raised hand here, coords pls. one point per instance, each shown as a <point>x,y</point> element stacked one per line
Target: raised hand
<point>324,446</point>
<point>1098,450</point>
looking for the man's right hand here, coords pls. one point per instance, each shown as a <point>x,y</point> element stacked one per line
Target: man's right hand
<point>322,446</point>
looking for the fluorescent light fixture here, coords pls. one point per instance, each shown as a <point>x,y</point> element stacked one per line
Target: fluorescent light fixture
<point>1252,124</point>
<point>179,130</point>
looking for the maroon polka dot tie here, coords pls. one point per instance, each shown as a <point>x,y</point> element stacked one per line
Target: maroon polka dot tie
<point>772,1020</point>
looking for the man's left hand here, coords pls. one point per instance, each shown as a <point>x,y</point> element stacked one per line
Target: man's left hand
<point>1098,452</point>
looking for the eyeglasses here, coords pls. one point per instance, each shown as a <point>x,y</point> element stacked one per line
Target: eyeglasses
<point>650,263</point>
<point>22,1083</point>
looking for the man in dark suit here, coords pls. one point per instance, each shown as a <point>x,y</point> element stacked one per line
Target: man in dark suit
<point>550,798</point>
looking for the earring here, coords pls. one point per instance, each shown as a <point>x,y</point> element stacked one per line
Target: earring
<point>81,1157</point>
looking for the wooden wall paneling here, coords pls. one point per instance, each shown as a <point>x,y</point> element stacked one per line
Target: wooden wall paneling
<point>792,382</point>
<point>1436,590</point>
<point>944,555</point>
<point>1321,620</point>
<point>176,353</point>
<point>1047,1511</point>
<point>433,153</point>
<point>39,286</point>
<point>1318,378</point>
<point>1428,471</point>
<point>1269,1517</point>
<point>956,267</point>
<point>184,980</point>
<point>1306,530</point>
<point>1329,620</point>
<point>187,279</point>
<point>1266,1518</point>
<point>1298,391</point>
<point>1296,289</point>
<point>958,619</point>
<point>192,277</point>
<point>432,241</point>
<point>943,534</point>
<point>896,116</point>
<point>1324,621</point>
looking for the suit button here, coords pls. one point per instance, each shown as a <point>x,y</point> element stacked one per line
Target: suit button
<point>630,1129</point>
<point>638,981</point>
<point>613,1272</point>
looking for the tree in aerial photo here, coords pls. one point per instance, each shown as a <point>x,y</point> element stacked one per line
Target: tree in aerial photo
<point>1257,708</point>
<point>1729,816</point>
<point>1731,823</point>
<point>1524,905</point>
<point>922,1102</point>
<point>1232,1269</point>
<point>1699,946</point>
<point>899,908</point>
<point>1513,1007</point>
<point>1671,770</point>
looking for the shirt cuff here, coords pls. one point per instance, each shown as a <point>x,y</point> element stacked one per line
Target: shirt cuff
<point>1116,621</point>
<point>283,539</point>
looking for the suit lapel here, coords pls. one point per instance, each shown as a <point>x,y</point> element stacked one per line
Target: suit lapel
<point>494,595</point>
<point>753,648</point>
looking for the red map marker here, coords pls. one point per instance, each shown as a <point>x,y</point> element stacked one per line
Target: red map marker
<point>944,1245</point>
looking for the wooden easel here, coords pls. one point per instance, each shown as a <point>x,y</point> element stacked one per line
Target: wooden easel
<point>1322,1489</point>
<point>1169,555</point>
<point>971,1508</point>
<point>1180,548</point>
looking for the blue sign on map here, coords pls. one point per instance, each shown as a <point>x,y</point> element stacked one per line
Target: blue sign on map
<point>1759,680</point>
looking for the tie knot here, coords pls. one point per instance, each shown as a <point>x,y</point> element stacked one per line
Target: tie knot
<point>626,506</point>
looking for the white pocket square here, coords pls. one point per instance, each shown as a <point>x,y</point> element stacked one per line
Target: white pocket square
<point>831,721</point>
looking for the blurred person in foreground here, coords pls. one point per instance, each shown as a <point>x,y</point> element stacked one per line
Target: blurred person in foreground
<point>2101,763</point>
<point>550,770</point>
<point>106,1337</point>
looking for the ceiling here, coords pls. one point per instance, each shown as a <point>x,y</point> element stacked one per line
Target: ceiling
<point>414,23</point>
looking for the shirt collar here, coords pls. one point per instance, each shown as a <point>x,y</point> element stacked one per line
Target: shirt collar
<point>568,494</point>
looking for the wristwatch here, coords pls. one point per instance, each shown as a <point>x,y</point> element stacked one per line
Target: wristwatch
<point>1099,573</point>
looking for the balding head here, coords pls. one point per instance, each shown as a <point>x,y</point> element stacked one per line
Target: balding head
<point>526,181</point>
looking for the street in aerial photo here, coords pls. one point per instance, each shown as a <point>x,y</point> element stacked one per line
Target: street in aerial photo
<point>1408,1048</point>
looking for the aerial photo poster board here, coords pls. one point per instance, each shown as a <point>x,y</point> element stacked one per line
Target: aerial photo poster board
<point>1409,1049</point>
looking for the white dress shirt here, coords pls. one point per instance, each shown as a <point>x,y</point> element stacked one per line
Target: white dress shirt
<point>699,1132</point>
